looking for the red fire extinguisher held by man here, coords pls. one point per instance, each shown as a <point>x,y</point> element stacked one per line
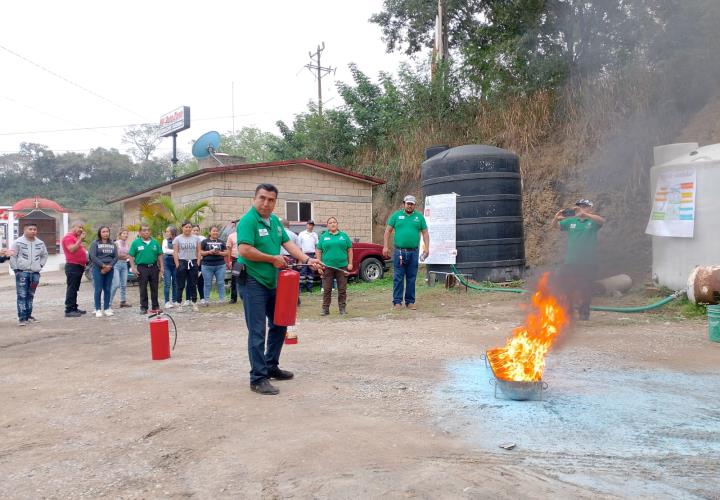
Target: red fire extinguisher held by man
<point>286,298</point>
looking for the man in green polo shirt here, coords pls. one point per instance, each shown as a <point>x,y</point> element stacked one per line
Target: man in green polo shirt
<point>577,274</point>
<point>408,224</point>
<point>259,237</point>
<point>146,261</point>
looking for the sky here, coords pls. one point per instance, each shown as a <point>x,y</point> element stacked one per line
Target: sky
<point>89,64</point>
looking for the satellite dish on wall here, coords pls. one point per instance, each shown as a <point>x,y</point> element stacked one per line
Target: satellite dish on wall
<point>206,145</point>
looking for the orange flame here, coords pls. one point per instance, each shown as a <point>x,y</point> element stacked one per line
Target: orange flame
<point>523,357</point>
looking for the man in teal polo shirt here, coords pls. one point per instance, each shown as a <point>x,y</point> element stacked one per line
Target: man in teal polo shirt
<point>408,224</point>
<point>577,274</point>
<point>259,237</point>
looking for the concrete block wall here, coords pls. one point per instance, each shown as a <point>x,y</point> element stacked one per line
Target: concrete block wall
<point>230,194</point>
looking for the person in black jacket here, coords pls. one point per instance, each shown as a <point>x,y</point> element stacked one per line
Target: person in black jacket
<point>103,255</point>
<point>5,254</point>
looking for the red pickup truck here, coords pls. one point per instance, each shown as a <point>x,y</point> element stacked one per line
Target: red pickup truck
<point>368,261</point>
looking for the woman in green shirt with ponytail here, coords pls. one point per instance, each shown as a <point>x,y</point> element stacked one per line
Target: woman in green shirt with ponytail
<point>334,249</point>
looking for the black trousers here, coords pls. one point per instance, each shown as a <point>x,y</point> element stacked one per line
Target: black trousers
<point>576,282</point>
<point>200,284</point>
<point>148,274</point>
<point>187,278</point>
<point>73,275</point>
<point>233,288</point>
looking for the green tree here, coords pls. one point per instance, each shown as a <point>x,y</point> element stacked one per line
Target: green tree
<point>527,44</point>
<point>251,143</point>
<point>330,138</point>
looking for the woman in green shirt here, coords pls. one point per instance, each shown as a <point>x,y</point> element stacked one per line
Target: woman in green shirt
<point>334,249</point>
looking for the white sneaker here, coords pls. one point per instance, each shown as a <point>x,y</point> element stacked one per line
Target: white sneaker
<point>186,303</point>
<point>204,303</point>
<point>109,312</point>
<point>195,307</point>
<point>98,313</point>
<point>169,305</point>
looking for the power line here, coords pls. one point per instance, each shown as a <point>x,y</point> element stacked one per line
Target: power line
<point>53,73</point>
<point>101,127</point>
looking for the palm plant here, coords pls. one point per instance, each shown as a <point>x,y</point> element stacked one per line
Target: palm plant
<point>163,212</point>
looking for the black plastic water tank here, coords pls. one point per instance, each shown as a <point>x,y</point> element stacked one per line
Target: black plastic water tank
<point>489,227</point>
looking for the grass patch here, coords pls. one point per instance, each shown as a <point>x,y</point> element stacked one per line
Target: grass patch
<point>690,310</point>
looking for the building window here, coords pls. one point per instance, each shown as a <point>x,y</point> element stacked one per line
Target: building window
<point>298,211</point>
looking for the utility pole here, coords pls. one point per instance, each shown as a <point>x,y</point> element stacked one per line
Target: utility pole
<point>440,49</point>
<point>321,71</point>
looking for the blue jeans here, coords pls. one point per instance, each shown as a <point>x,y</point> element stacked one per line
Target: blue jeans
<point>259,305</point>
<point>25,284</point>
<point>307,275</point>
<point>120,276</point>
<point>103,286</point>
<point>218,271</point>
<point>170,280</point>
<point>405,264</point>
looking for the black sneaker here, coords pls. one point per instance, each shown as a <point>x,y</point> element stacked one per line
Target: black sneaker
<point>81,311</point>
<point>265,388</point>
<point>143,311</point>
<point>324,312</point>
<point>343,311</point>
<point>279,374</point>
<point>73,314</point>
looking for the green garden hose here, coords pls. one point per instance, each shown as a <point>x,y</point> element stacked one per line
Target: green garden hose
<point>628,310</point>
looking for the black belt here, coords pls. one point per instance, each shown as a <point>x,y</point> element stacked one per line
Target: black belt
<point>147,265</point>
<point>415,248</point>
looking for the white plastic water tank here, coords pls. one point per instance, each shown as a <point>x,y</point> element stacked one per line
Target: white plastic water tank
<point>673,259</point>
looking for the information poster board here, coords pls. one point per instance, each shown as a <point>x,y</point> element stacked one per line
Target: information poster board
<point>440,216</point>
<point>673,211</point>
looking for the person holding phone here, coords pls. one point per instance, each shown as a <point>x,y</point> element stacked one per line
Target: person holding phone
<point>213,251</point>
<point>578,272</point>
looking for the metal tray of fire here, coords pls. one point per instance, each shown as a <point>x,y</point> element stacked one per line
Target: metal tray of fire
<point>517,391</point>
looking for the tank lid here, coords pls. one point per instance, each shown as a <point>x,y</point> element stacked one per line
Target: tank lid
<point>704,154</point>
<point>473,150</point>
<point>667,152</point>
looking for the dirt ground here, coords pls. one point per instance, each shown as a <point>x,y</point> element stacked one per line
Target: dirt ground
<point>384,405</point>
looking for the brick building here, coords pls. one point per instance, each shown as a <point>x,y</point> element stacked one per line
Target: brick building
<point>308,189</point>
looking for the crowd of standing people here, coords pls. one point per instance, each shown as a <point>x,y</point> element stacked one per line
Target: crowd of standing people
<point>188,263</point>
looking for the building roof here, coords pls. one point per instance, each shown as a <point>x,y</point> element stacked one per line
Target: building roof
<point>37,203</point>
<point>252,166</point>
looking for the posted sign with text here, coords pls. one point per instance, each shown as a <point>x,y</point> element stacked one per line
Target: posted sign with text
<point>440,216</point>
<point>673,210</point>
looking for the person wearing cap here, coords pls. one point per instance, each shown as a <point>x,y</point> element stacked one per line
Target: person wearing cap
<point>307,241</point>
<point>577,274</point>
<point>408,224</point>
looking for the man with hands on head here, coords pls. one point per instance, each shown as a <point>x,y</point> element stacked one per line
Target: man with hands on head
<point>577,274</point>
<point>260,236</point>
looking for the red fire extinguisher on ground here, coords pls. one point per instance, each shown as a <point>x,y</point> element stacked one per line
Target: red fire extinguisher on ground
<point>286,298</point>
<point>160,336</point>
